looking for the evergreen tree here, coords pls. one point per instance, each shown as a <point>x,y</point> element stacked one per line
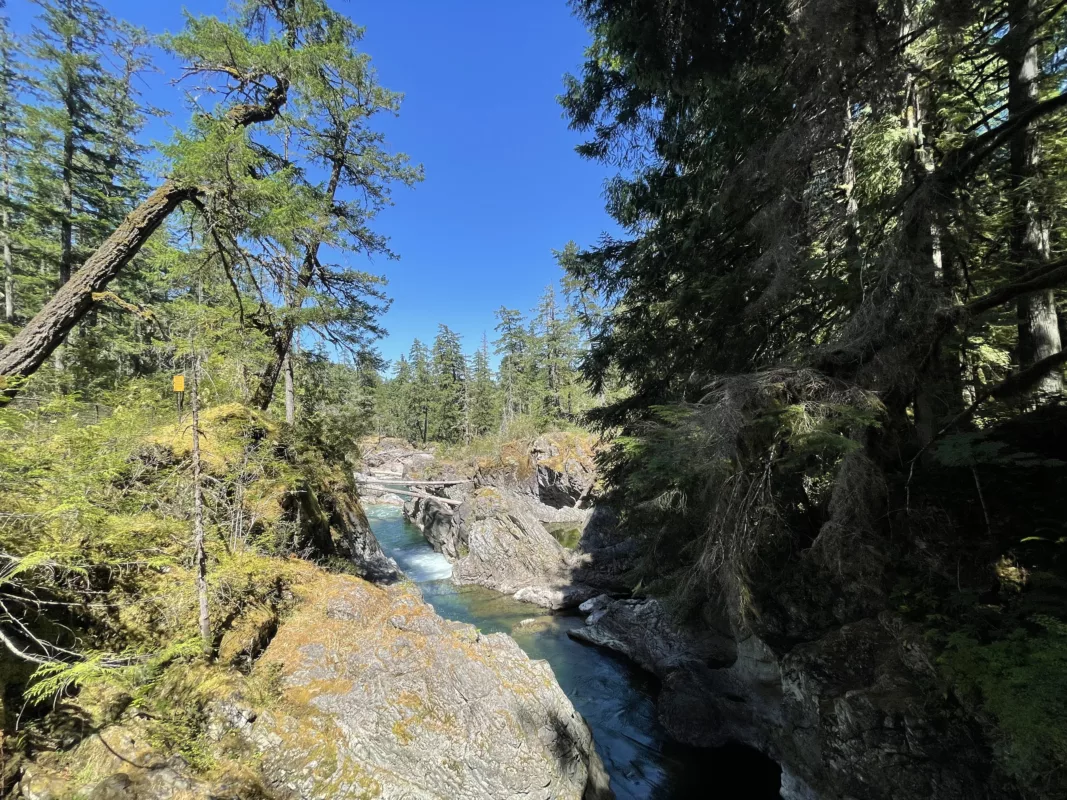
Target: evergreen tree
<point>556,353</point>
<point>484,405</point>
<point>449,404</point>
<point>583,304</point>
<point>10,123</point>
<point>513,349</point>
<point>270,54</point>
<point>1029,200</point>
<point>394,408</point>
<point>330,128</point>
<point>85,119</point>
<point>422,393</point>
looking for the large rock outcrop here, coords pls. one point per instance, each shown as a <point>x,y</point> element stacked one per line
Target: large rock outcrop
<point>383,698</point>
<point>498,537</point>
<point>494,540</point>
<point>436,521</point>
<point>373,696</point>
<point>355,541</point>
<point>843,714</point>
<point>556,469</point>
<point>503,546</point>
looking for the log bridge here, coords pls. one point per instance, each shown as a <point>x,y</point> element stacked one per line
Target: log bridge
<point>387,485</point>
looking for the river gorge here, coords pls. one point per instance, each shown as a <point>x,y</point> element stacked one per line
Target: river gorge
<point>616,698</point>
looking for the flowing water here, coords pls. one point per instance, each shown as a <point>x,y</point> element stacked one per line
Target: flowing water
<point>616,698</point>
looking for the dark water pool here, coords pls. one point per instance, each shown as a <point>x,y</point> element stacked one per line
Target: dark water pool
<point>616,698</point>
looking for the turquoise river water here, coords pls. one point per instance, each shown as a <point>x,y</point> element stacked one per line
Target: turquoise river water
<point>616,698</point>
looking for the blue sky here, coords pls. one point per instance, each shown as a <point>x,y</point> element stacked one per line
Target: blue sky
<point>503,184</point>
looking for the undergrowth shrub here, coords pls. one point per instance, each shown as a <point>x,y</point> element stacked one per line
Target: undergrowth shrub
<point>97,587</point>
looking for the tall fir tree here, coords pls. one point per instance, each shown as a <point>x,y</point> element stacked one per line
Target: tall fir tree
<point>513,348</point>
<point>484,414</point>
<point>10,123</point>
<point>449,405</point>
<point>555,333</point>
<point>421,397</point>
<point>86,118</point>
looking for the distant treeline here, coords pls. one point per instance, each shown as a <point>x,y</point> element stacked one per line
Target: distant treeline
<point>442,393</point>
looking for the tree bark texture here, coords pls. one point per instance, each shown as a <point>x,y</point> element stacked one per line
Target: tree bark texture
<point>1039,334</point>
<point>290,390</point>
<point>200,555</point>
<point>45,332</point>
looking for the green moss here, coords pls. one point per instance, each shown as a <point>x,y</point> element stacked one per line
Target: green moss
<point>565,533</point>
<point>1021,680</point>
<point>102,510</point>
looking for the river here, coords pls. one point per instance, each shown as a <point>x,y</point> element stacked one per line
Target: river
<point>616,698</point>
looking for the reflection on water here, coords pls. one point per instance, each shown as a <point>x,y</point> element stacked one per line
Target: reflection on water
<point>616,699</point>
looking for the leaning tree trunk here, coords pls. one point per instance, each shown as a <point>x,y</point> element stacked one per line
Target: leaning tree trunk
<point>45,332</point>
<point>282,343</point>
<point>1039,334</point>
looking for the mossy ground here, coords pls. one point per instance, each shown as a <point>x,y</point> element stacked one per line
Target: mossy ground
<point>95,527</point>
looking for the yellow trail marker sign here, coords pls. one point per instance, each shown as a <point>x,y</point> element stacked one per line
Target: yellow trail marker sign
<point>179,383</point>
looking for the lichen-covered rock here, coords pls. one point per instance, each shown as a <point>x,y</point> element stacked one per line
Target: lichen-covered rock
<point>382,698</point>
<point>504,547</point>
<point>556,469</point>
<point>643,631</point>
<point>844,715</point>
<point>507,548</point>
<point>564,468</point>
<point>494,540</point>
<point>435,520</point>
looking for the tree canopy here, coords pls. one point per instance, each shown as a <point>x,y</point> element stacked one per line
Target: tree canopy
<point>836,303</point>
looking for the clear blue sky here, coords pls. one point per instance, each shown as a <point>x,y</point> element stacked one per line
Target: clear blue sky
<point>503,185</point>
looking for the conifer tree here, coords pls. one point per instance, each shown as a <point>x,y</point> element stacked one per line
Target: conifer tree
<point>422,389</point>
<point>448,407</point>
<point>331,128</point>
<point>10,120</point>
<point>484,417</point>
<point>395,402</point>
<point>513,348</point>
<point>556,338</point>
<point>1031,220</point>
<point>271,53</point>
<point>86,113</point>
